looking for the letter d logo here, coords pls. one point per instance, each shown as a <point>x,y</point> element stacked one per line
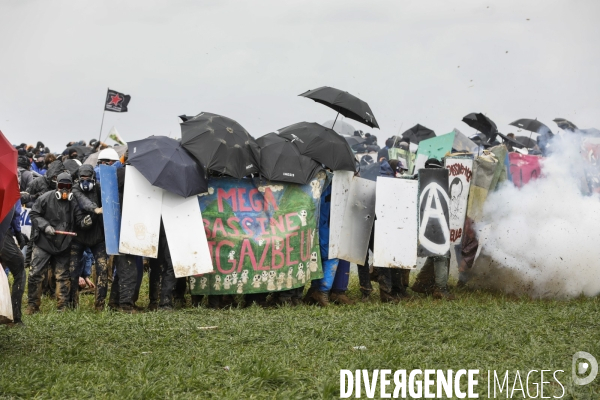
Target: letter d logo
<point>582,367</point>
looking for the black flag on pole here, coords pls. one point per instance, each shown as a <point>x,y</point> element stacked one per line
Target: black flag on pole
<point>116,102</point>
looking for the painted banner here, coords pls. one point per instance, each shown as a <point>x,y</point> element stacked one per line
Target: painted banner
<point>405,156</point>
<point>185,234</point>
<point>396,225</point>
<point>524,168</point>
<point>358,221</point>
<point>140,221</point>
<point>484,169</point>
<point>111,207</point>
<point>459,181</point>
<point>434,208</point>
<point>263,237</point>
<point>340,188</point>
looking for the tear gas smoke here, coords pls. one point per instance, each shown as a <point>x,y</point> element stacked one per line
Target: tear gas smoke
<point>544,239</point>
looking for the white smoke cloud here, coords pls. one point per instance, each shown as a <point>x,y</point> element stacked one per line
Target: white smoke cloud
<point>544,239</point>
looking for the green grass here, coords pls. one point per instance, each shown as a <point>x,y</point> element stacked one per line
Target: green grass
<point>290,353</point>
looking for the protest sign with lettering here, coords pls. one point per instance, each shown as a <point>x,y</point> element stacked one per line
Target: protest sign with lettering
<point>262,236</point>
<point>433,206</point>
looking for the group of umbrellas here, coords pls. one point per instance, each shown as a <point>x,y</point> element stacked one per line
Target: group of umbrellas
<point>217,145</point>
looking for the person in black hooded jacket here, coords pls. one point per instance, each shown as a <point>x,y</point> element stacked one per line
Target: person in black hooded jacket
<point>53,211</point>
<point>88,195</point>
<point>42,185</point>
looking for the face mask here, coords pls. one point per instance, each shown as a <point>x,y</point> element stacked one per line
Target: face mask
<point>52,184</point>
<point>86,185</point>
<point>64,192</point>
<point>39,164</point>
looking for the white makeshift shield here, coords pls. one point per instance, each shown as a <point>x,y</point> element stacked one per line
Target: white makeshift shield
<point>340,188</point>
<point>396,225</point>
<point>6,311</point>
<point>140,223</point>
<point>185,234</point>
<point>358,221</point>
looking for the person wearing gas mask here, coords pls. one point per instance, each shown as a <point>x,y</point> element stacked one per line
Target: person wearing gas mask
<point>54,212</point>
<point>87,193</point>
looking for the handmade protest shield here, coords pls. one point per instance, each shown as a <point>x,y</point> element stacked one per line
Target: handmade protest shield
<point>340,188</point>
<point>407,158</point>
<point>434,204</point>
<point>436,147</point>
<point>140,224</point>
<point>263,236</point>
<point>523,168</point>
<point>111,208</point>
<point>459,181</point>
<point>185,234</point>
<point>396,224</point>
<point>358,221</point>
<point>6,311</point>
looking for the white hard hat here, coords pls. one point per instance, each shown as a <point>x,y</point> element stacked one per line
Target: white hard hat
<point>108,154</point>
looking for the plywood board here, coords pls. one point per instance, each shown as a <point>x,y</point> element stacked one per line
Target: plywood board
<point>140,223</point>
<point>358,221</point>
<point>184,228</point>
<point>396,224</point>
<point>459,182</point>
<point>340,189</point>
<point>6,311</point>
<point>434,232</point>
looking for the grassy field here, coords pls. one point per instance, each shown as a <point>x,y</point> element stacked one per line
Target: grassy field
<point>290,353</point>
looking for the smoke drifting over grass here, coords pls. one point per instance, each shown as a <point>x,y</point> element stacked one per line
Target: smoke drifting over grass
<point>544,239</point>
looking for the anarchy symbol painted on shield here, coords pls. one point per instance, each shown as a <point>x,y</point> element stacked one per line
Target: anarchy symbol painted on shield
<point>434,202</point>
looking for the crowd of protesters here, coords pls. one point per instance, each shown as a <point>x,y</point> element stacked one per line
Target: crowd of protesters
<point>63,195</point>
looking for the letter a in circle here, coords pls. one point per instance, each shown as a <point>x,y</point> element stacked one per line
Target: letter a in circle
<point>433,191</point>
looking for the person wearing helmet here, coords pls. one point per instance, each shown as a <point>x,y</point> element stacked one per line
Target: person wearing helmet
<point>53,211</point>
<point>88,195</point>
<point>107,157</point>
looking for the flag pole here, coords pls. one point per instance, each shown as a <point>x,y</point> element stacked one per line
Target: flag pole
<point>101,124</point>
<point>103,113</point>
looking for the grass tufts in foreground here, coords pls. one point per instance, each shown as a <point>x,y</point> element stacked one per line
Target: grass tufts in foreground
<point>291,353</point>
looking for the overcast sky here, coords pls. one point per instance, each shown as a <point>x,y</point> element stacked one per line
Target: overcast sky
<point>427,62</point>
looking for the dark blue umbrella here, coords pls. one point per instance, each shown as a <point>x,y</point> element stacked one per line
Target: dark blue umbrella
<point>167,165</point>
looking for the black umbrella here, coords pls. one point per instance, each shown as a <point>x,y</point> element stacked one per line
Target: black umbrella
<point>531,125</point>
<point>322,144</point>
<point>526,141</point>
<point>565,124</point>
<point>166,164</point>
<point>280,160</point>
<point>344,103</point>
<point>417,133</point>
<point>483,124</point>
<point>513,142</point>
<point>480,122</point>
<point>219,144</point>
<point>352,140</point>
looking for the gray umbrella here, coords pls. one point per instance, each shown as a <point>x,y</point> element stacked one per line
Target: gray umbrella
<point>166,164</point>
